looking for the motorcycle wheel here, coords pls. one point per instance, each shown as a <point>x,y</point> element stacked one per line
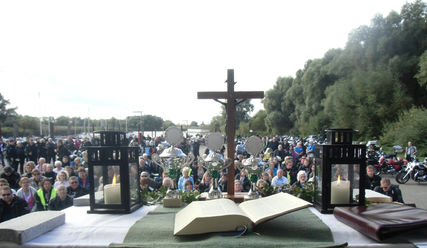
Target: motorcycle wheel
<point>400,177</point>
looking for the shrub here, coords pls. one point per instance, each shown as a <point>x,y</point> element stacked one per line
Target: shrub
<point>411,126</point>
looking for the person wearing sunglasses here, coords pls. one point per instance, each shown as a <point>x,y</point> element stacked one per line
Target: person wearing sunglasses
<point>75,190</point>
<point>11,206</point>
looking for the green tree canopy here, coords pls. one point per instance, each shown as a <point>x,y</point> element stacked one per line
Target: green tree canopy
<point>380,73</point>
<point>5,112</point>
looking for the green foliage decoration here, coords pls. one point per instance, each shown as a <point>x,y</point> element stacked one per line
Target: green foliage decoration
<point>189,196</point>
<point>173,173</point>
<point>156,197</point>
<point>151,198</point>
<point>214,174</point>
<point>253,178</point>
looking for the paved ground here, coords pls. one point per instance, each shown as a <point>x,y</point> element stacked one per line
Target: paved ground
<point>412,191</point>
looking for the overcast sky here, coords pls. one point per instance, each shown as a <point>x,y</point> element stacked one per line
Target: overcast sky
<point>103,59</point>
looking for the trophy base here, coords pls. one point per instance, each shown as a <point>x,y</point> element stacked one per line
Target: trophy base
<point>237,197</point>
<point>214,194</point>
<point>252,195</point>
<point>172,202</point>
<point>248,198</point>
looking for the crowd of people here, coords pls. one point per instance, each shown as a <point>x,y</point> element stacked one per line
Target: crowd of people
<point>286,164</point>
<point>41,174</point>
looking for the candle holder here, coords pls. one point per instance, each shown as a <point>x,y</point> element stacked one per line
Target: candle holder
<point>340,168</point>
<point>172,160</point>
<point>214,162</point>
<point>254,166</point>
<point>113,174</point>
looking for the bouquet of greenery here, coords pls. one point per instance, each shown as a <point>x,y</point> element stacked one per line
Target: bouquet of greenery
<point>155,197</point>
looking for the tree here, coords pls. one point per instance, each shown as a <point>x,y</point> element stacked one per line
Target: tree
<point>5,112</point>
<point>242,112</point>
<point>257,123</point>
<point>133,122</point>
<point>152,123</point>
<point>167,124</point>
<point>217,124</point>
<point>380,73</point>
<point>279,108</point>
<point>422,72</point>
<point>28,125</point>
<point>410,126</point>
<point>243,130</point>
<point>194,124</point>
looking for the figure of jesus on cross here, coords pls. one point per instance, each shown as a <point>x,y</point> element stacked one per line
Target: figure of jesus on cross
<point>231,97</point>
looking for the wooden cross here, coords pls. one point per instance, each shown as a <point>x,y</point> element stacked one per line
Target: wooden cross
<point>231,96</point>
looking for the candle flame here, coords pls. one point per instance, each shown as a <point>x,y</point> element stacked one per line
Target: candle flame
<point>114,179</point>
<point>339,179</point>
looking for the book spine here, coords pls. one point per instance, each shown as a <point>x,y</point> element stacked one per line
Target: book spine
<point>358,222</point>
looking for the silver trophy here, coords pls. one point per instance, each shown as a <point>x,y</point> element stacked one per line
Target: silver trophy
<point>173,159</point>
<point>254,166</point>
<point>214,162</point>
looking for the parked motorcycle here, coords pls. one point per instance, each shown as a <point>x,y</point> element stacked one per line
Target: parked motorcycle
<point>415,170</point>
<point>390,163</point>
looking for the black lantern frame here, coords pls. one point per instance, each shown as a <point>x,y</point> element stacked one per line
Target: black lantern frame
<point>339,154</point>
<point>110,159</point>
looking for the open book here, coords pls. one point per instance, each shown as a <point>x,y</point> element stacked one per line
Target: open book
<point>224,215</point>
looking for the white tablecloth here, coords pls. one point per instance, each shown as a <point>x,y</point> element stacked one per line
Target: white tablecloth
<point>89,230</point>
<point>99,230</point>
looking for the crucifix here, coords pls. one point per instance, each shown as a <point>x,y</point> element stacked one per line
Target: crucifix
<point>232,99</point>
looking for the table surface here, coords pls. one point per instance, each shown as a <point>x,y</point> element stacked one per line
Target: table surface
<point>89,230</point>
<point>99,230</point>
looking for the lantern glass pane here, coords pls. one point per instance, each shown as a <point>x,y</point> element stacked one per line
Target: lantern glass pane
<point>110,185</point>
<point>98,185</point>
<point>133,183</point>
<point>345,181</point>
<point>318,179</point>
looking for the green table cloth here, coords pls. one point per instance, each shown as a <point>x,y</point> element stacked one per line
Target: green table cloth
<point>298,229</point>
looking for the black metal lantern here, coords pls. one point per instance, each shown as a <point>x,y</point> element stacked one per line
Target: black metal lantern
<point>113,174</point>
<point>340,171</point>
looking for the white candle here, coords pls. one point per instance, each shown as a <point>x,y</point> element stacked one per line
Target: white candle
<point>340,192</point>
<point>112,194</point>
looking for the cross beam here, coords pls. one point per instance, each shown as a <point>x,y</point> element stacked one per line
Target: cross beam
<point>231,96</point>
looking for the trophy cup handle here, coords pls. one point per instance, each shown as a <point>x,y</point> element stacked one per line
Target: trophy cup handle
<point>189,160</point>
<point>156,159</point>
